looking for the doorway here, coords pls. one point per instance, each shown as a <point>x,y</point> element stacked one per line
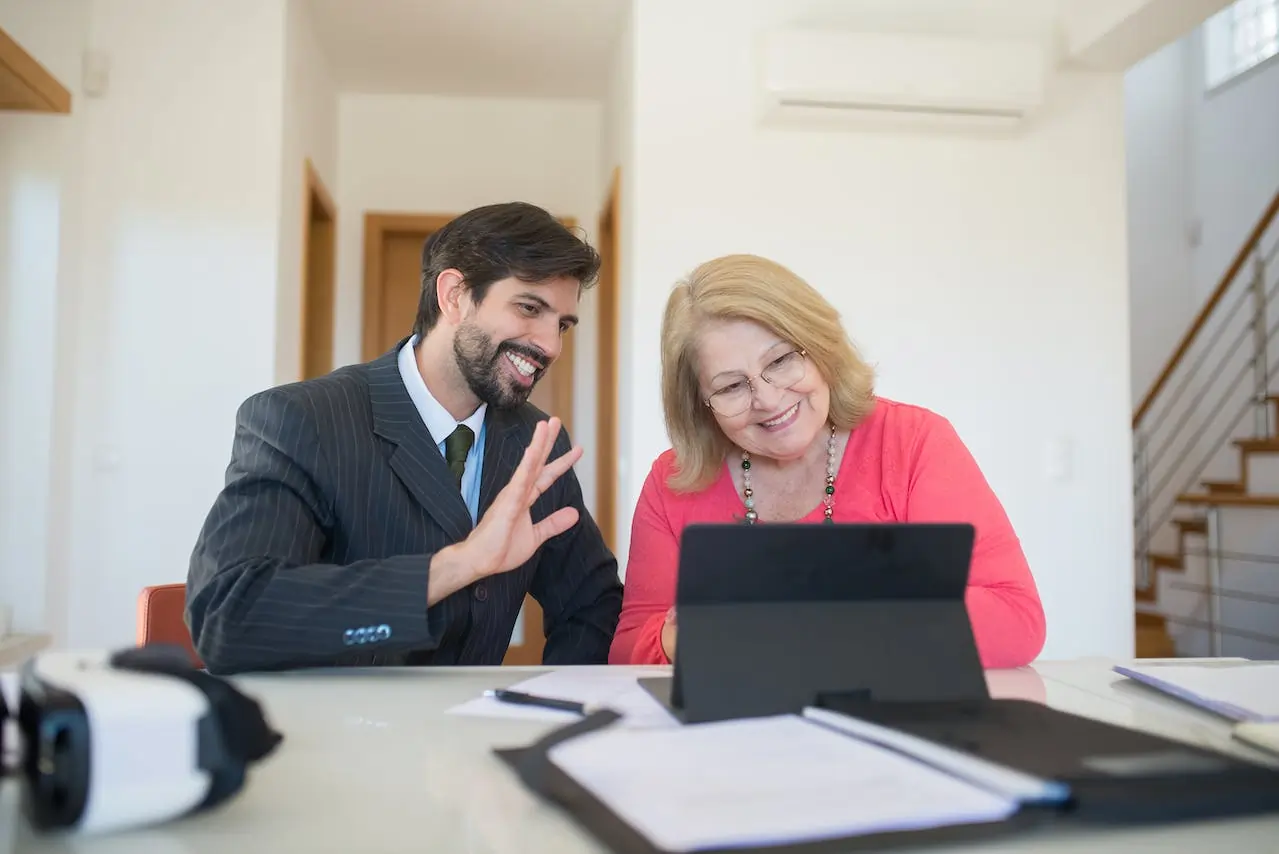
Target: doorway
<point>319,247</point>
<point>392,287</point>
<point>606,453</point>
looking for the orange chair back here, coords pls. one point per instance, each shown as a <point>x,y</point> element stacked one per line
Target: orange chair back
<point>160,617</point>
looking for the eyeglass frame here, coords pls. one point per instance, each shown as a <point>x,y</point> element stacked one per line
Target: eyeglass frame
<point>803,355</point>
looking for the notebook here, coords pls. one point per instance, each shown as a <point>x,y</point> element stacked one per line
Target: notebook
<point>1242,691</point>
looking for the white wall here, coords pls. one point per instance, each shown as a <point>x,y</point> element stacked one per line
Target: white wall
<point>1162,295</point>
<point>986,278</point>
<point>441,155</point>
<point>39,186</point>
<point>1201,169</point>
<point>166,292</point>
<point>618,151</point>
<point>310,133</point>
<point>1233,140</point>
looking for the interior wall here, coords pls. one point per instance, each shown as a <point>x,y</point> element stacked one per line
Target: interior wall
<point>444,155</point>
<point>1234,149</point>
<point>1201,169</point>
<point>166,295</point>
<point>618,151</point>
<point>1162,292</point>
<point>310,133</point>
<point>39,186</point>
<point>987,280</point>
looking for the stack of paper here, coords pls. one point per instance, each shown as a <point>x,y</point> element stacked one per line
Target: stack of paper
<point>763,781</point>
<point>1238,690</point>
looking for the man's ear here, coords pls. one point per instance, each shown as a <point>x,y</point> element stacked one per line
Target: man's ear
<point>452,292</point>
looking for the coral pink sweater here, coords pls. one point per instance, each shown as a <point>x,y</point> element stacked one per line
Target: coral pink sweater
<point>902,464</point>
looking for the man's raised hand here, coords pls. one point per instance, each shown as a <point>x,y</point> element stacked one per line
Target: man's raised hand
<point>507,536</point>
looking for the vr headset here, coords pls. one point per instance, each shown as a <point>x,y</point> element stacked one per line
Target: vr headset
<point>113,741</point>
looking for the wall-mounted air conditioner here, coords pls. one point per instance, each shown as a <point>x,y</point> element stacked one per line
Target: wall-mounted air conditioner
<point>814,78</point>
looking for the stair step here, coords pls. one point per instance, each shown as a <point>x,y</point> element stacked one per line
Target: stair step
<point>1258,446</point>
<point>1146,594</point>
<point>1191,526</point>
<point>1223,486</point>
<point>1158,559</point>
<point>1227,499</point>
<point>1153,641</point>
<point>1147,620</point>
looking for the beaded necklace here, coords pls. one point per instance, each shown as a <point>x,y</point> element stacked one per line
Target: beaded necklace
<point>748,493</point>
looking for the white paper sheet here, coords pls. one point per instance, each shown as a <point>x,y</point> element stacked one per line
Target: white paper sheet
<point>617,690</point>
<point>1241,691</point>
<point>765,781</point>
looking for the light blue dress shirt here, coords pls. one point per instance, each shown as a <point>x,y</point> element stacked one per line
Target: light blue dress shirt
<point>441,425</point>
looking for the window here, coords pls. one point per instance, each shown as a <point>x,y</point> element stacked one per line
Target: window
<point>1239,37</point>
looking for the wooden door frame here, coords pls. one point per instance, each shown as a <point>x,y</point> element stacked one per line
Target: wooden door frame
<point>379,224</point>
<point>316,195</point>
<point>27,85</point>
<point>608,358</point>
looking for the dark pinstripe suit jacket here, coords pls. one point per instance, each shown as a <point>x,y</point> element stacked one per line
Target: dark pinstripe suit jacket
<point>316,552</point>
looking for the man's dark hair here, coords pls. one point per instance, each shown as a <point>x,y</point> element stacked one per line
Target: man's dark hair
<point>494,242</point>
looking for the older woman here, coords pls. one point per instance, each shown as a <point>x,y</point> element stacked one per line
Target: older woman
<point>773,418</point>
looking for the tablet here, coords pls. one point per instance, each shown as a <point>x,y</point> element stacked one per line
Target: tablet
<point>773,618</point>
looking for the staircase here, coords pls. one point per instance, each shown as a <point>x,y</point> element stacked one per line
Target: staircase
<point>1196,457</point>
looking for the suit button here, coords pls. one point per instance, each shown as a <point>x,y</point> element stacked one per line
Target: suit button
<point>481,592</point>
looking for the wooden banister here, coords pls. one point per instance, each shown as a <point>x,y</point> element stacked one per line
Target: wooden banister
<point>1241,258</point>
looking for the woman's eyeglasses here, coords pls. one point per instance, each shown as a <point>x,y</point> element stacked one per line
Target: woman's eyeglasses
<point>735,398</point>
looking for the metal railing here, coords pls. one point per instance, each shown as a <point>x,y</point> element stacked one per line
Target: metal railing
<point>1221,371</point>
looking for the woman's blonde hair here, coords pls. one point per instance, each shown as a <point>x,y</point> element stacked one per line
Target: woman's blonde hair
<point>747,287</point>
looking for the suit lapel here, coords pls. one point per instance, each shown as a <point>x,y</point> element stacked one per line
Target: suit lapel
<point>415,460</point>
<point>504,442</point>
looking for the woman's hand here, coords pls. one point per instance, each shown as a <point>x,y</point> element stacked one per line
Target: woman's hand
<point>668,635</point>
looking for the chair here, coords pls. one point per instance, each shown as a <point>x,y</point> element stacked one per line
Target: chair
<point>161,619</point>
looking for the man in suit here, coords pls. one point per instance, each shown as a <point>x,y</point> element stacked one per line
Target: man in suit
<point>398,511</point>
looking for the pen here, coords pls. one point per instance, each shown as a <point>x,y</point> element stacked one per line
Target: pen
<point>520,698</point>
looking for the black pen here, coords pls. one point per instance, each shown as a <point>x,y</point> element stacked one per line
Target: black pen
<point>522,699</point>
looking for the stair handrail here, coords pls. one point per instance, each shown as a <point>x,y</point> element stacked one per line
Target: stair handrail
<point>1209,307</point>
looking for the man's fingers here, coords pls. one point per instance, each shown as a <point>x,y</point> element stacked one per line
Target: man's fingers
<point>557,523</point>
<point>527,482</point>
<point>553,470</point>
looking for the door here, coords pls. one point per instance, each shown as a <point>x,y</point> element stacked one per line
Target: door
<point>392,287</point>
<point>319,236</point>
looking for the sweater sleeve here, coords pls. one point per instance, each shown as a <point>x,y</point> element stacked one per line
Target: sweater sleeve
<point>946,485</point>
<point>649,590</point>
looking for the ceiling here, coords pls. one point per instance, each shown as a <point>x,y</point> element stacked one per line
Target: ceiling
<point>519,48</point>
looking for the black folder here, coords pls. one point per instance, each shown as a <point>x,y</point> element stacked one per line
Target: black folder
<point>1120,779</point>
<point>870,621</point>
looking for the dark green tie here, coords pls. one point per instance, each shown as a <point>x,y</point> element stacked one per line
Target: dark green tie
<point>456,447</point>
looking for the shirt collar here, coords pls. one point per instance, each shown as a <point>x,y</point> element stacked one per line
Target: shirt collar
<point>437,419</point>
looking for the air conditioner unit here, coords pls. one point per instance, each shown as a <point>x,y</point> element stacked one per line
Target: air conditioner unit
<point>814,78</point>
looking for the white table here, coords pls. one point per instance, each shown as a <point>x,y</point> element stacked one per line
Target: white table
<point>371,763</point>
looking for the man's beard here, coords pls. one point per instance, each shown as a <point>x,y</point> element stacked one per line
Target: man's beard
<point>478,360</point>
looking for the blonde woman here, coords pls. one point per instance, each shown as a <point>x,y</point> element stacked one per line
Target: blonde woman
<point>773,418</point>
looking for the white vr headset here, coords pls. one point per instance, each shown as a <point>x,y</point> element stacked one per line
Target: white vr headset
<point>138,737</point>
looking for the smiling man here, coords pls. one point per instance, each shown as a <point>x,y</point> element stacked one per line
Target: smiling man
<point>397,512</point>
